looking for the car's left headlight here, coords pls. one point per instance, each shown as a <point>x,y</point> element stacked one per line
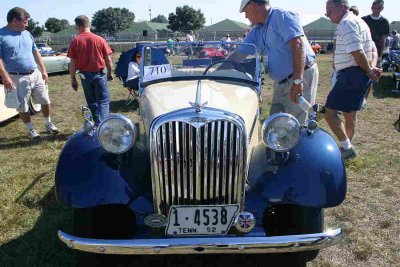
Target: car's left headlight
<point>281,132</point>
<point>117,134</point>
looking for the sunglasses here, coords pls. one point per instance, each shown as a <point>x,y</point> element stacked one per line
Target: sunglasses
<point>138,56</point>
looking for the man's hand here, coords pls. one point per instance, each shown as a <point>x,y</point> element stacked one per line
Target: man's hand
<point>74,84</point>
<point>8,83</point>
<point>110,77</point>
<point>45,77</point>
<point>295,91</point>
<point>375,74</point>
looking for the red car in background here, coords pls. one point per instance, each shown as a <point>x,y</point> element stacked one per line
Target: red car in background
<point>214,52</point>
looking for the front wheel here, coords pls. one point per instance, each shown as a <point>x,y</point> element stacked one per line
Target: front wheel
<point>287,219</point>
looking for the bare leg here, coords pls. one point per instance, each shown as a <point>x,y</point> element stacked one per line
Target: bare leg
<point>335,123</point>
<point>25,117</point>
<point>46,110</point>
<point>350,123</point>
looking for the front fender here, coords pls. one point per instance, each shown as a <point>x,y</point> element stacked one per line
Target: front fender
<point>313,176</point>
<point>88,176</point>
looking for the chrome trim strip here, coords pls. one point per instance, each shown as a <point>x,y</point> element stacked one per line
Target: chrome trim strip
<point>224,165</point>
<point>217,168</point>
<point>237,173</point>
<point>160,173</point>
<point>205,245</point>
<point>212,161</point>
<point>166,178</point>
<point>191,161</point>
<point>171,160</point>
<point>205,153</point>
<point>198,166</point>
<point>178,161</point>
<point>230,166</point>
<point>185,185</point>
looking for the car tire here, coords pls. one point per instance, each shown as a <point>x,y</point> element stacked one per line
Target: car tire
<point>33,107</point>
<point>293,220</point>
<point>102,222</point>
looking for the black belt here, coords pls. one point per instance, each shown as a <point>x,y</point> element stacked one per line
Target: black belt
<point>22,73</point>
<point>312,63</point>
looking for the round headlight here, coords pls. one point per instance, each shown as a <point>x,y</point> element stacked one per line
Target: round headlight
<point>117,134</point>
<point>281,132</point>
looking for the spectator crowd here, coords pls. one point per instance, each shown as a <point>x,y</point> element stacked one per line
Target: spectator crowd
<point>287,56</point>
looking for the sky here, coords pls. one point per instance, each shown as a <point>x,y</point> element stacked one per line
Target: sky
<point>213,10</point>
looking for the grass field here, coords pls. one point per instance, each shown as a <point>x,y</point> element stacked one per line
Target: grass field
<point>370,215</point>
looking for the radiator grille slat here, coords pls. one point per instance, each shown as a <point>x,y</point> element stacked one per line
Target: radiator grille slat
<point>198,166</point>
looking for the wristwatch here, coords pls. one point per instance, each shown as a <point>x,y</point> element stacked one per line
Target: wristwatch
<point>298,81</point>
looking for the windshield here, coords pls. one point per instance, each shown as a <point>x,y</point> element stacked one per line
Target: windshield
<point>206,60</point>
<point>40,45</point>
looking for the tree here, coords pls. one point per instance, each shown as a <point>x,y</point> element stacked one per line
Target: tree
<point>185,19</point>
<point>112,20</point>
<point>160,19</point>
<point>55,25</point>
<point>34,28</point>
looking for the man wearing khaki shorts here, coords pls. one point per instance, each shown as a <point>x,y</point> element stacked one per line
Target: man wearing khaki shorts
<point>19,59</point>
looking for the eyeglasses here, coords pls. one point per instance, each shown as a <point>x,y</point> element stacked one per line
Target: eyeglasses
<point>138,56</point>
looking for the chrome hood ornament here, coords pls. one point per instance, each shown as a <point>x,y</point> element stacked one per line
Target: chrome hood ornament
<point>197,105</point>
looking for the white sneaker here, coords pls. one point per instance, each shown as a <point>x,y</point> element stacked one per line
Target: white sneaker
<point>51,128</point>
<point>33,135</point>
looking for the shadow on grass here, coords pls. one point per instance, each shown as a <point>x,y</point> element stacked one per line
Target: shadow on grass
<point>383,88</point>
<point>40,246</point>
<point>22,141</point>
<point>121,106</point>
<point>10,120</point>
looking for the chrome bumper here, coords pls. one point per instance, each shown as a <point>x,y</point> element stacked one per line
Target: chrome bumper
<point>205,245</point>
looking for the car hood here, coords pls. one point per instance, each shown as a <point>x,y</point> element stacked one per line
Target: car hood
<point>161,98</point>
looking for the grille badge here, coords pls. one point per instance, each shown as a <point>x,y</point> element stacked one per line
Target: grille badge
<point>155,220</point>
<point>245,222</point>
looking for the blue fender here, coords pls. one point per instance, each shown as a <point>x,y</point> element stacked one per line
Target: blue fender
<point>88,176</point>
<point>313,176</point>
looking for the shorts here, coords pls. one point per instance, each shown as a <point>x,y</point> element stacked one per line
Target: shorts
<point>30,86</point>
<point>348,93</point>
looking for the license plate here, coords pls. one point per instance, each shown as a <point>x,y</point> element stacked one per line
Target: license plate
<point>200,220</point>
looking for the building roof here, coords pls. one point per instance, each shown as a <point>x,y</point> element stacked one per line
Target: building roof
<point>226,25</point>
<point>321,24</point>
<point>66,32</point>
<point>151,27</point>
<point>394,25</point>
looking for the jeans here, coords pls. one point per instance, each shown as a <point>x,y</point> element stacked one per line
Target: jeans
<point>97,94</point>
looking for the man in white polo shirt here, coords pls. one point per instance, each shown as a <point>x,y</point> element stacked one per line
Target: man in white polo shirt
<point>354,55</point>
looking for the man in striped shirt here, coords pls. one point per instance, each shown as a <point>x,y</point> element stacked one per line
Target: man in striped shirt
<point>354,62</point>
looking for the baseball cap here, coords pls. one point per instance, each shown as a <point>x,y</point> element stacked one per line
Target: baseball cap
<point>245,2</point>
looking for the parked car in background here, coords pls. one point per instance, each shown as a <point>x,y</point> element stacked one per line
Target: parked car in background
<point>5,113</point>
<point>206,176</point>
<point>44,47</point>
<point>54,64</point>
<point>316,47</point>
<point>216,53</point>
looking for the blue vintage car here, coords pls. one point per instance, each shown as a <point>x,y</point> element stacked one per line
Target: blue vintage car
<point>205,176</point>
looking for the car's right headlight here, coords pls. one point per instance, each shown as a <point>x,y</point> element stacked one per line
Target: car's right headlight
<point>117,134</point>
<point>281,132</point>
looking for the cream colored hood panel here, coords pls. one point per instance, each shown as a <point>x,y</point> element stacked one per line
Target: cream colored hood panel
<point>162,98</point>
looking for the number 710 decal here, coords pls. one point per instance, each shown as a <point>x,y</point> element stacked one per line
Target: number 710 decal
<point>157,72</point>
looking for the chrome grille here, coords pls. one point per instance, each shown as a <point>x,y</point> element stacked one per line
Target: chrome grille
<point>198,165</point>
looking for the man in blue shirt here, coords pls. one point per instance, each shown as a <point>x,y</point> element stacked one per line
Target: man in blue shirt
<point>19,59</point>
<point>287,55</point>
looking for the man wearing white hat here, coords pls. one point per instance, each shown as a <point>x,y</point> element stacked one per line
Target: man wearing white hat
<point>287,55</point>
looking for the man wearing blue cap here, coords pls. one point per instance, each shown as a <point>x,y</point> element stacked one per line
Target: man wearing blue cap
<point>287,55</point>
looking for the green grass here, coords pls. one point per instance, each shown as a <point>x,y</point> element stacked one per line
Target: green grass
<point>30,214</point>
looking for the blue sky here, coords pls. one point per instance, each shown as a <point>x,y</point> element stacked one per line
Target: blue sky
<point>214,10</point>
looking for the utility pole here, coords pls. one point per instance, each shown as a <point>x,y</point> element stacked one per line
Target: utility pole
<point>150,12</point>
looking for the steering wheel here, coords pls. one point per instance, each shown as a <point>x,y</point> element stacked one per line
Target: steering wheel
<point>236,66</point>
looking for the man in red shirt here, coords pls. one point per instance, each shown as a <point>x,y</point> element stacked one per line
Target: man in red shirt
<point>90,54</point>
